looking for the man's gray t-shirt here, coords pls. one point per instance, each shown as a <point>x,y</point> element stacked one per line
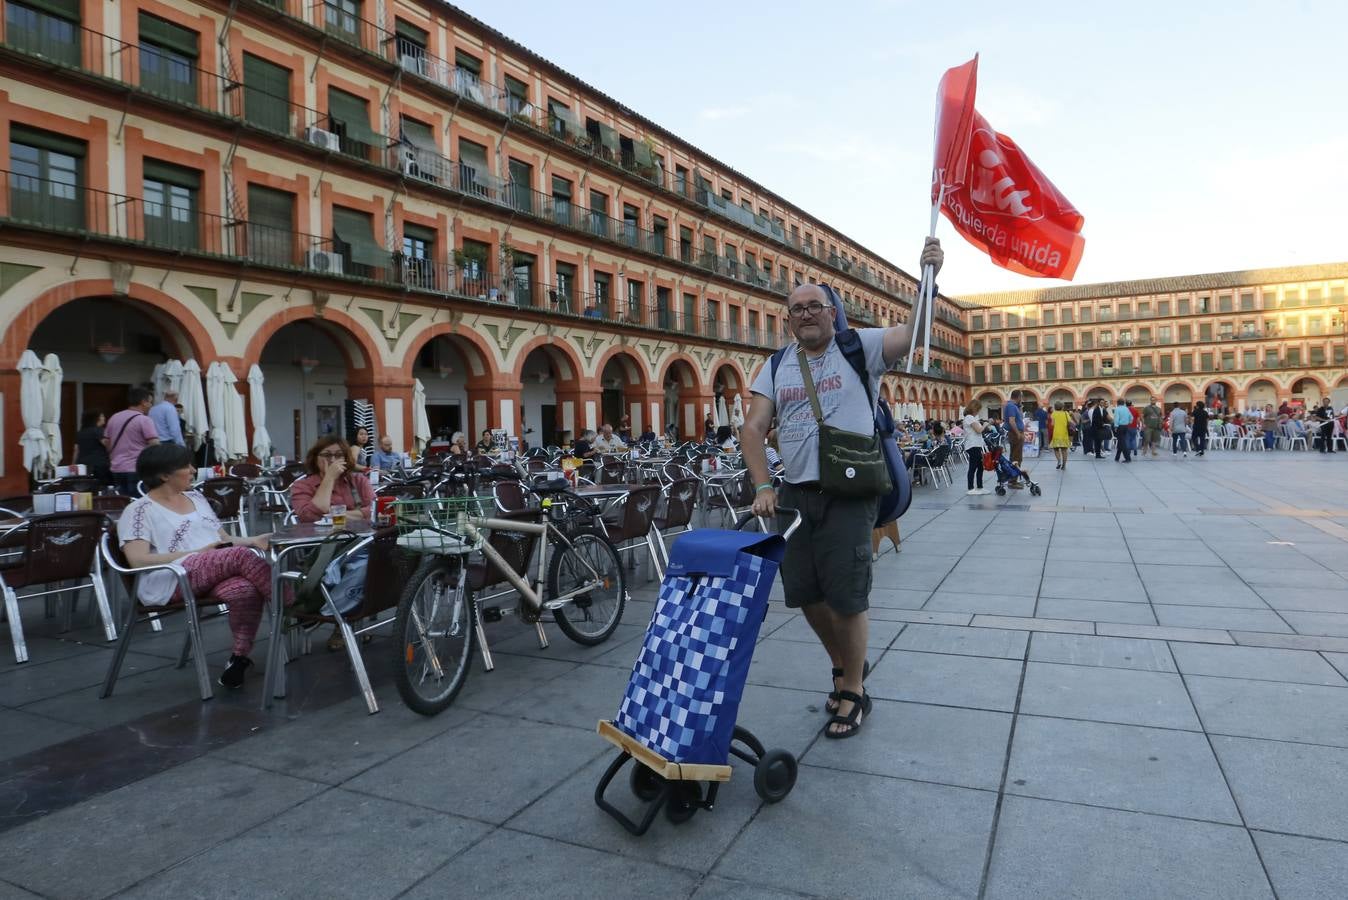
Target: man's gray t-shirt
<point>842,397</point>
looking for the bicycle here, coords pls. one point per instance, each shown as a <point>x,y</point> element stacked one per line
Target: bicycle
<point>438,618</point>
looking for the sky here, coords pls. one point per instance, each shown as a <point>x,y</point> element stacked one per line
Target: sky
<point>1193,136</point>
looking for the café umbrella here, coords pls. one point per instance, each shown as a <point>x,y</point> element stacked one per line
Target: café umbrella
<point>421,426</point>
<point>51,376</point>
<point>257,405</point>
<point>194,403</point>
<point>34,439</point>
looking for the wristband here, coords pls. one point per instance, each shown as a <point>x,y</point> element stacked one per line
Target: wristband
<point>767,486</point>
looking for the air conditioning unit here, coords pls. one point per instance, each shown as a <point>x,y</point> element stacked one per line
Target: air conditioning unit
<point>323,261</point>
<point>325,139</point>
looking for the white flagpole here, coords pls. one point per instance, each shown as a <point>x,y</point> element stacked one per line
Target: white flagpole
<point>929,278</point>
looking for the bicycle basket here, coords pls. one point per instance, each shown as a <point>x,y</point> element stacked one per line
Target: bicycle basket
<point>438,525</point>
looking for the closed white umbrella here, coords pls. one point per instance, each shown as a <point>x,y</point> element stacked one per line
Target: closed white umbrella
<point>219,408</point>
<point>51,376</point>
<point>194,402</point>
<point>421,426</point>
<point>157,381</point>
<point>34,439</point>
<point>173,378</point>
<point>257,405</point>
<point>236,433</point>
<point>737,413</point>
<point>722,417</point>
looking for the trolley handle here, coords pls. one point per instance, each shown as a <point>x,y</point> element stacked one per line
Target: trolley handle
<point>763,522</point>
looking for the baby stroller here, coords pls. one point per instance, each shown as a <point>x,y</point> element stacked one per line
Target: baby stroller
<point>994,460</point>
<point>676,723</point>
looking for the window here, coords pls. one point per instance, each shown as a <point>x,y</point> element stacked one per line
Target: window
<point>1226,330</point>
<point>475,175</point>
<point>1163,308</point>
<point>170,207</point>
<point>1032,371</point>
<point>1012,320</point>
<point>1050,342</point>
<point>631,225</point>
<point>1201,305</point>
<point>271,225</point>
<point>1228,360</point>
<point>635,291</point>
<point>977,324</point>
<point>681,180</point>
<point>521,186</point>
<point>1293,357</point>
<point>1051,370</point>
<point>411,43</point>
<point>733,323</point>
<point>353,239</point>
<point>566,288</point>
<point>1085,316</point>
<point>1068,341</point>
<point>1106,339</point>
<point>266,94</point>
<point>1015,372</point>
<point>980,375</point>
<point>46,28</point>
<point>1246,301</point>
<point>997,374</point>
<point>563,208</point>
<point>1088,340</point>
<point>996,346</point>
<point>1013,345</point>
<point>1031,343</point>
<point>1163,334</point>
<point>1145,365</point>
<point>342,18</point>
<point>659,238</point>
<point>978,347</point>
<point>1315,325</point>
<point>994,320</point>
<point>46,175</point>
<point>1205,331</point>
<point>168,59</point>
<point>1225,303</point>
<point>1144,308</point>
<point>1205,362</point>
<point>562,122</point>
<point>418,259</point>
<point>1186,362</point>
<point>1270,358</point>
<point>1125,337</point>
<point>1125,310</point>
<point>1067,315</point>
<point>1069,368</point>
<point>1340,354</point>
<point>1104,314</point>
<point>1249,359</point>
<point>690,313</point>
<point>1049,317</point>
<point>663,316</point>
<point>517,98</point>
<point>752,337</point>
<point>1087,368</point>
<point>599,214</point>
<point>1186,334</point>
<point>350,119</point>
<point>685,244</point>
<point>603,293</point>
<point>1167,363</point>
<point>713,319</point>
<point>1184,306</point>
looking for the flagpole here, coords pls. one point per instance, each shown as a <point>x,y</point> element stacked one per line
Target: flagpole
<point>929,278</point>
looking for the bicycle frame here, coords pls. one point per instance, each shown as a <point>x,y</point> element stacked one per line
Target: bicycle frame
<point>532,594</point>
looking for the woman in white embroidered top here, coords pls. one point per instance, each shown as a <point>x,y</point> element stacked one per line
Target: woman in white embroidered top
<point>174,524</point>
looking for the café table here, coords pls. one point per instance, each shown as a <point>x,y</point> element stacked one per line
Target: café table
<point>284,542</point>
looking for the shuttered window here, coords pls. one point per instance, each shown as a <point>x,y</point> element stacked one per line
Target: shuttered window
<point>168,59</point>
<point>171,206</point>
<point>47,28</point>
<point>266,94</point>
<point>351,121</point>
<point>46,175</point>
<point>271,226</point>
<point>353,234</point>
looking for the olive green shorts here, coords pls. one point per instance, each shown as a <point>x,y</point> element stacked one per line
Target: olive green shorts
<point>828,558</point>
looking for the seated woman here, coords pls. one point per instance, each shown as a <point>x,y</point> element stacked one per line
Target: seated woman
<point>458,444</point>
<point>360,451</point>
<point>172,523</point>
<point>330,483</point>
<point>487,444</point>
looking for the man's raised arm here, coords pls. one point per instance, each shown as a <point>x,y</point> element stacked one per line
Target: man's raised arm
<point>900,337</point>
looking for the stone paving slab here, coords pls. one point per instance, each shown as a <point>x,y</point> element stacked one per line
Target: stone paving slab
<point>1141,758</point>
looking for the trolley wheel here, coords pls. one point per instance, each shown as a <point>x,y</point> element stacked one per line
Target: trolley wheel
<point>592,616</point>
<point>1034,490</point>
<point>775,775</point>
<point>434,627</point>
<point>1001,490</point>
<point>746,737</point>
<point>645,783</point>
<point>683,801</point>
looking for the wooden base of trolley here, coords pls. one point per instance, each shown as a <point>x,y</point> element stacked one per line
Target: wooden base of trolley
<point>677,787</point>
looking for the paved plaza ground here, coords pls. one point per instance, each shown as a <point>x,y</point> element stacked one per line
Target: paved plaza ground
<point>1133,686</point>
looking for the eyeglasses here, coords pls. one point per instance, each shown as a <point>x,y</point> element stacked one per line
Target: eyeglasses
<point>813,308</point>
<point>332,456</point>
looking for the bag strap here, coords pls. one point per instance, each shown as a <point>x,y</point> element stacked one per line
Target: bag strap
<point>313,578</point>
<point>121,431</point>
<point>808,379</point>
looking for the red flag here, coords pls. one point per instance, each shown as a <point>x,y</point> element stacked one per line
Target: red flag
<point>994,195</point>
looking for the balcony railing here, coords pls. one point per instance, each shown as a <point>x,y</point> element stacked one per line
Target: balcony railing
<point>56,42</point>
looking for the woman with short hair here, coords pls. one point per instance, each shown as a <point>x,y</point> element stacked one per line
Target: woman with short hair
<point>172,523</point>
<point>974,448</point>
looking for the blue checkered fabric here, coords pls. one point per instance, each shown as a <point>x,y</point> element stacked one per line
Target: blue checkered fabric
<point>685,689</point>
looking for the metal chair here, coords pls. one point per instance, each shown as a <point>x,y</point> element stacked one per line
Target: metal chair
<point>674,514</point>
<point>728,493</point>
<point>228,493</point>
<point>629,523</point>
<point>55,548</point>
<point>509,496</point>
<point>484,576</point>
<point>289,474</point>
<point>610,470</point>
<point>246,470</point>
<point>183,601</point>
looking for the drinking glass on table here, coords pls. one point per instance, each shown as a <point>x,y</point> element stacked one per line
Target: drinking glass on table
<point>338,513</point>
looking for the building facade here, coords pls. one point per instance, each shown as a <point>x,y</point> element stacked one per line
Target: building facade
<point>1241,339</point>
<point>354,194</point>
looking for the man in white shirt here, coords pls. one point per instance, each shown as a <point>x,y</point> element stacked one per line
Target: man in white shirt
<point>608,442</point>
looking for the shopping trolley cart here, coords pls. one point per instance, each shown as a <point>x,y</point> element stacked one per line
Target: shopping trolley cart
<point>677,718</point>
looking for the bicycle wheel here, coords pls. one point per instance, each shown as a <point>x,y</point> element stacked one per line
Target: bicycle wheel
<point>592,567</point>
<point>435,626</point>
